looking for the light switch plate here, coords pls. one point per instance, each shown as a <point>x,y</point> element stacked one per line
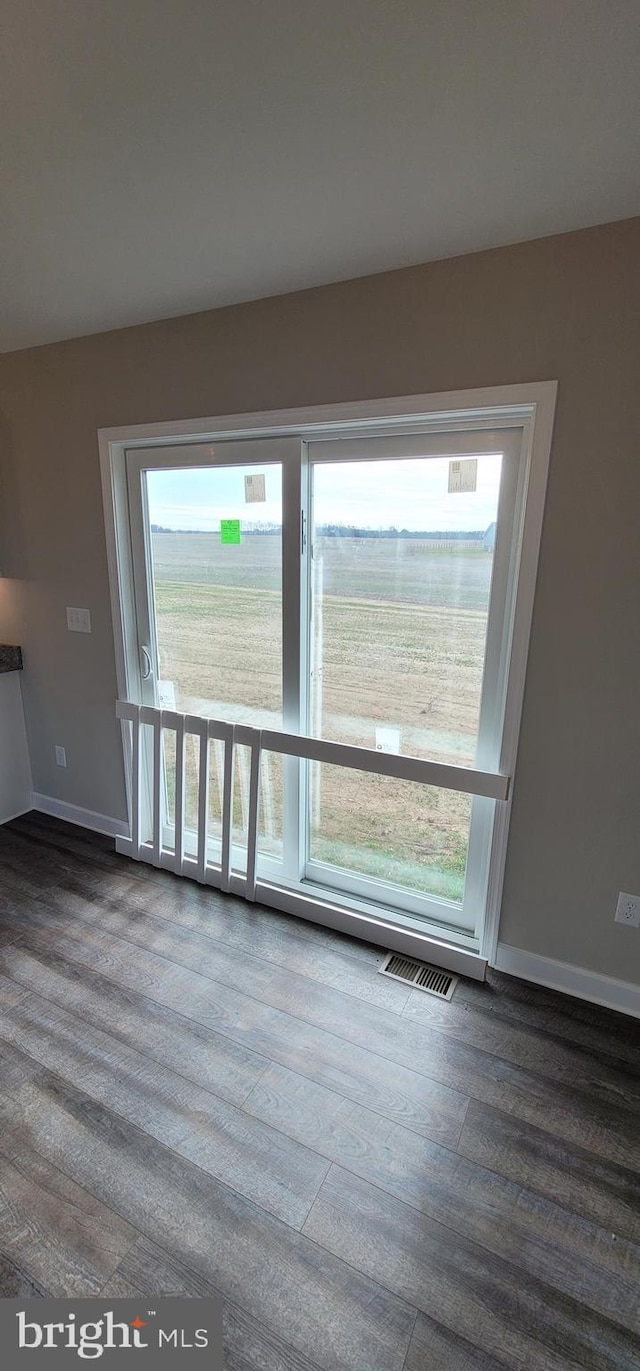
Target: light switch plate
<point>78,620</point>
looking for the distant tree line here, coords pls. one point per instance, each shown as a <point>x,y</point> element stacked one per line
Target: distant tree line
<point>432,535</point>
<point>350,531</point>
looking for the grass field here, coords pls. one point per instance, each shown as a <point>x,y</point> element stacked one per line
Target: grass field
<point>399,630</point>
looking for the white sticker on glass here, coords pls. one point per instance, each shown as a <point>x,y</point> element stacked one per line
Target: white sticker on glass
<point>387,740</point>
<point>254,490</point>
<point>166,694</point>
<point>463,476</point>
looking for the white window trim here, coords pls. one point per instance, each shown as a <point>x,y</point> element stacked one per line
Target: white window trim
<point>530,404</point>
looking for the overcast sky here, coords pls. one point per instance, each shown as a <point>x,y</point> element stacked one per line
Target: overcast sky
<point>408,493</point>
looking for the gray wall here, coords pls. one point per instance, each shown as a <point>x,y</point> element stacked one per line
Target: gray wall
<point>15,771</point>
<point>565,308</point>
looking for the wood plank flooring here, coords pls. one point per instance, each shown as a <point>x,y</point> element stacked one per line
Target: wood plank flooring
<point>198,1095</point>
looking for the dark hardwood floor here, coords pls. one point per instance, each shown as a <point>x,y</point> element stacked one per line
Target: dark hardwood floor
<point>199,1095</point>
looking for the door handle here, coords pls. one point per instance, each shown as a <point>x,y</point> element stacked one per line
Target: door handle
<point>147,667</point>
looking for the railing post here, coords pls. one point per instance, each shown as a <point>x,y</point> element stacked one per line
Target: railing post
<point>203,800</point>
<point>227,808</point>
<point>157,788</point>
<point>252,826</point>
<point>135,784</point>
<point>178,858</point>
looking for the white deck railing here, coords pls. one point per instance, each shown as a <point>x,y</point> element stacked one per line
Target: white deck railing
<point>259,741</point>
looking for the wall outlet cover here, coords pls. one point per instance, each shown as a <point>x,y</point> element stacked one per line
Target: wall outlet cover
<point>78,620</point>
<point>628,910</point>
<point>61,756</point>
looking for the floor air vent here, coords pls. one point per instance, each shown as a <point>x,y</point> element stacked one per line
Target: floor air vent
<point>420,975</point>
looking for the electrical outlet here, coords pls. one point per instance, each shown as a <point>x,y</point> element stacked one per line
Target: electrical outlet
<point>78,620</point>
<point>61,756</point>
<point>628,910</point>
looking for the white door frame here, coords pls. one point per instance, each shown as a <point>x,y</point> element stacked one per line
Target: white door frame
<point>531,405</point>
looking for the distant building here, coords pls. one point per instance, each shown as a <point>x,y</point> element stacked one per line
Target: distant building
<point>489,539</point>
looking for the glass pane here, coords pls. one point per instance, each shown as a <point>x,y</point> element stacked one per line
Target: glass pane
<point>399,612</point>
<point>270,807</point>
<point>400,587</point>
<point>217,583</point>
<point>216,551</point>
<point>192,775</point>
<point>398,831</point>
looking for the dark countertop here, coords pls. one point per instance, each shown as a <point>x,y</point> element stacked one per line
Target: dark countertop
<point>10,658</point>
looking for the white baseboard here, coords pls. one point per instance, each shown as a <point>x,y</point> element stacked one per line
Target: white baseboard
<point>573,980</point>
<point>85,818</point>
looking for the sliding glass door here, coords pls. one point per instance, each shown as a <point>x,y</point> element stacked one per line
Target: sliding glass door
<point>218,609</point>
<point>217,590</point>
<point>355,589</point>
<point>217,623</point>
<point>400,592</point>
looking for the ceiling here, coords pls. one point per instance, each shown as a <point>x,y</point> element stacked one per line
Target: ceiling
<point>166,156</point>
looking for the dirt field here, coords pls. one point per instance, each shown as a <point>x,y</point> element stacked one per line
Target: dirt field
<point>399,643</point>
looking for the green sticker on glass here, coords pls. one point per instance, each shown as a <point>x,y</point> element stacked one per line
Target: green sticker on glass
<point>229,530</point>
